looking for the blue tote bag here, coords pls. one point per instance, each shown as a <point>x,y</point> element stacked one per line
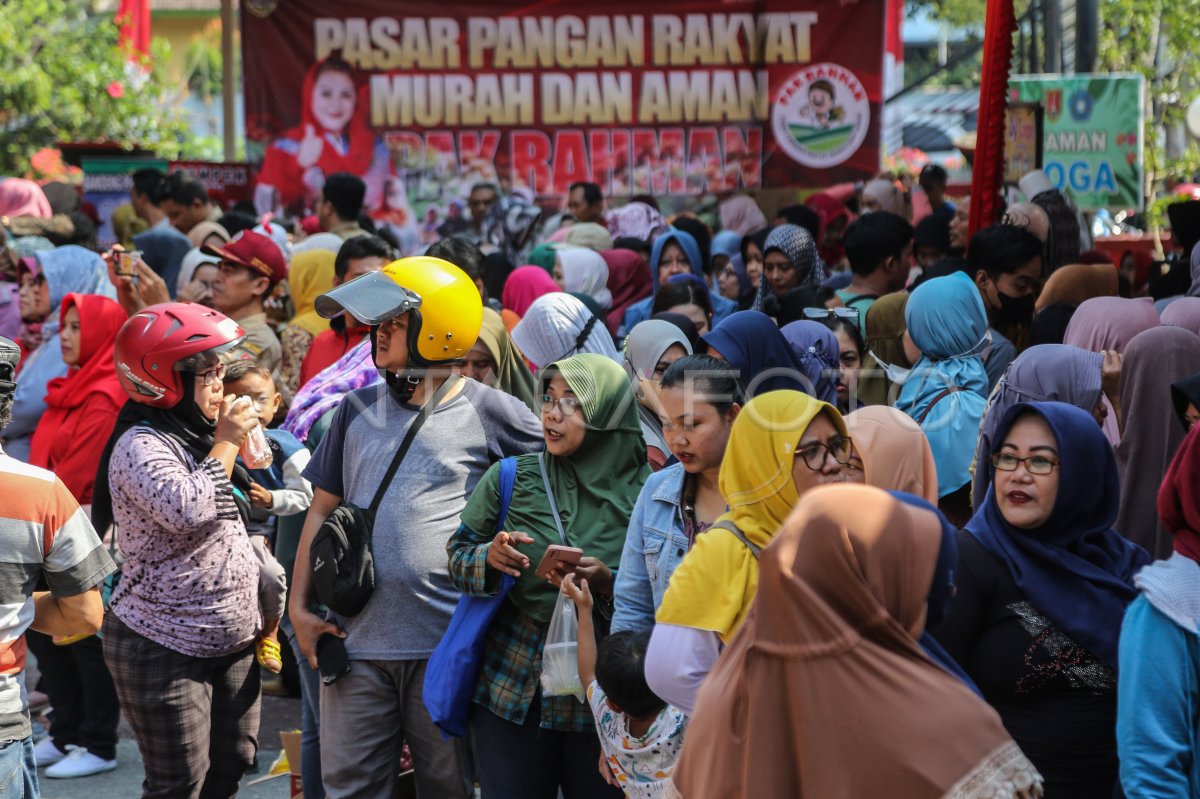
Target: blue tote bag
<point>454,665</point>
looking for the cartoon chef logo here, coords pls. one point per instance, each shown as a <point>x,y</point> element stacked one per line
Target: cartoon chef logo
<point>821,115</point>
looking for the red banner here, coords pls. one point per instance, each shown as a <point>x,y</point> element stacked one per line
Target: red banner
<point>425,99</point>
<point>227,182</point>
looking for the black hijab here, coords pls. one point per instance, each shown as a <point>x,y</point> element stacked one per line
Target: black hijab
<point>184,423</point>
<point>1184,393</point>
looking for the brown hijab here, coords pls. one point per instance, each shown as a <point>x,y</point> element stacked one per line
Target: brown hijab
<point>885,326</point>
<point>824,694</point>
<point>1154,359</point>
<point>1076,283</point>
<point>894,450</point>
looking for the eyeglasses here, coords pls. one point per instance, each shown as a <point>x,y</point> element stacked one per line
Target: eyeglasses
<point>566,405</point>
<point>213,376</point>
<point>1034,465</point>
<point>814,453</point>
<point>841,312</point>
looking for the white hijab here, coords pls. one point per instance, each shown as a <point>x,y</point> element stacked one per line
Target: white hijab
<point>552,329</point>
<point>586,272</point>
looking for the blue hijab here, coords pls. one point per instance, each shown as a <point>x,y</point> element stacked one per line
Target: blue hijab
<point>686,242</point>
<point>946,320</point>
<point>1075,568</point>
<point>816,349</point>
<point>752,344</point>
<point>67,270</point>
<point>1042,373</point>
<point>641,310</point>
<point>941,591</point>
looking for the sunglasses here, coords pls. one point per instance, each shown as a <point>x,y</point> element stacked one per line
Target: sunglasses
<point>841,312</point>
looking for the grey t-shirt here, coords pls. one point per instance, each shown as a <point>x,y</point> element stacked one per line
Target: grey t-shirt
<point>413,599</point>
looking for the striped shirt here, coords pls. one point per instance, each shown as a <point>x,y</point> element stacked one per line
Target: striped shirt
<point>43,531</point>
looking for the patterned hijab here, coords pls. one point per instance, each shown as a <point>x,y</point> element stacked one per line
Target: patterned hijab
<point>797,244</point>
<point>354,370</point>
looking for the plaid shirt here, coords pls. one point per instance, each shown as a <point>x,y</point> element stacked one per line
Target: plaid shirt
<point>511,669</point>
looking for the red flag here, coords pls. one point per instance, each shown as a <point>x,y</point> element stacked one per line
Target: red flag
<point>134,18</point>
<point>988,171</point>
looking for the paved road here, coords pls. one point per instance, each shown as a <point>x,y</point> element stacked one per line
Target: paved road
<point>279,713</point>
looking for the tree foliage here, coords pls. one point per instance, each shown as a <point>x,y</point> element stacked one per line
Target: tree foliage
<point>66,79</point>
<point>1156,38</point>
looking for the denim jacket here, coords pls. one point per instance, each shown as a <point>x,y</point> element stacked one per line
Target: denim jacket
<point>654,547</point>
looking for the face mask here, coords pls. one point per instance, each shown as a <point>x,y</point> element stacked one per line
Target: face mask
<point>896,374</point>
<point>1014,310</point>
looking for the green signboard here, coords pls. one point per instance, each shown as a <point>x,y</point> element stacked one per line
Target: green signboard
<point>1093,135</point>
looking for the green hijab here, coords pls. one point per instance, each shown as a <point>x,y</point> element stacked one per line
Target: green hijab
<point>512,375</point>
<point>595,487</point>
<point>545,256</point>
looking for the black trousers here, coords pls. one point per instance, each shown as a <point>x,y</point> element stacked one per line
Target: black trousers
<point>523,761</point>
<point>81,691</point>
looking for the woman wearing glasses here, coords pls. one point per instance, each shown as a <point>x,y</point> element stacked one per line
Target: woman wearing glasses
<point>580,492</point>
<point>1043,583</point>
<point>180,632</point>
<point>782,444</point>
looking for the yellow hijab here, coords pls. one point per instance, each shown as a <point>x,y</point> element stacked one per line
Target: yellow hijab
<point>310,276</point>
<point>713,587</point>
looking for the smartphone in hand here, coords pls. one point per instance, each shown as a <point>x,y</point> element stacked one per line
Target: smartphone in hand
<point>556,554</point>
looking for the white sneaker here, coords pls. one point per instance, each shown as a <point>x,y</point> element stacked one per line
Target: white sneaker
<point>79,762</point>
<point>45,753</point>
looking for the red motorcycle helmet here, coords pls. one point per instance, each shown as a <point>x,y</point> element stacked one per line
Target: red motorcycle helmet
<point>159,342</point>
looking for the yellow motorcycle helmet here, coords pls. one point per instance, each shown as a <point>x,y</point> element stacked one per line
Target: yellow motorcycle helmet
<point>447,311</point>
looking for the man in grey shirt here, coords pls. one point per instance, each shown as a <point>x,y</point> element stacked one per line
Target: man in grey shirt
<point>370,711</point>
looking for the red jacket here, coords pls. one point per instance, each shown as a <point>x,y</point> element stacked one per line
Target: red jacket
<point>327,348</point>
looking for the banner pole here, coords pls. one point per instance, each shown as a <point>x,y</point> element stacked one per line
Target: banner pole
<point>227,80</point>
<point>988,174</point>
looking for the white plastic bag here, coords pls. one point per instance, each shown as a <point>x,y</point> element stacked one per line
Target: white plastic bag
<point>560,654</point>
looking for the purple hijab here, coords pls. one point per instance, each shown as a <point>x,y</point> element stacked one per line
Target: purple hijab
<point>1153,361</point>
<point>816,349</point>
<point>1109,323</point>
<point>356,369</point>
<point>1042,373</point>
<point>1183,312</point>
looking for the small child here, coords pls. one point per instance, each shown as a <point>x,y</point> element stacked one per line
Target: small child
<point>640,734</point>
<point>277,490</point>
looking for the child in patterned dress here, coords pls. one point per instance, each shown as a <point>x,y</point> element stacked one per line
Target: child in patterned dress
<point>640,735</point>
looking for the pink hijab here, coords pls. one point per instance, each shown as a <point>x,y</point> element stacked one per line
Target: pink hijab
<point>525,285</point>
<point>1110,323</point>
<point>20,197</point>
<point>742,215</point>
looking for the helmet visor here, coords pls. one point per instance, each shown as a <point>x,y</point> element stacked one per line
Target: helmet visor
<point>206,360</point>
<point>372,298</point>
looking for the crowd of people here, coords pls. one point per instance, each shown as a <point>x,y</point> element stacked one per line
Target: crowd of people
<point>844,501</point>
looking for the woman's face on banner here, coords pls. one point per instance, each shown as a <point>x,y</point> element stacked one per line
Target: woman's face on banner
<point>333,100</point>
